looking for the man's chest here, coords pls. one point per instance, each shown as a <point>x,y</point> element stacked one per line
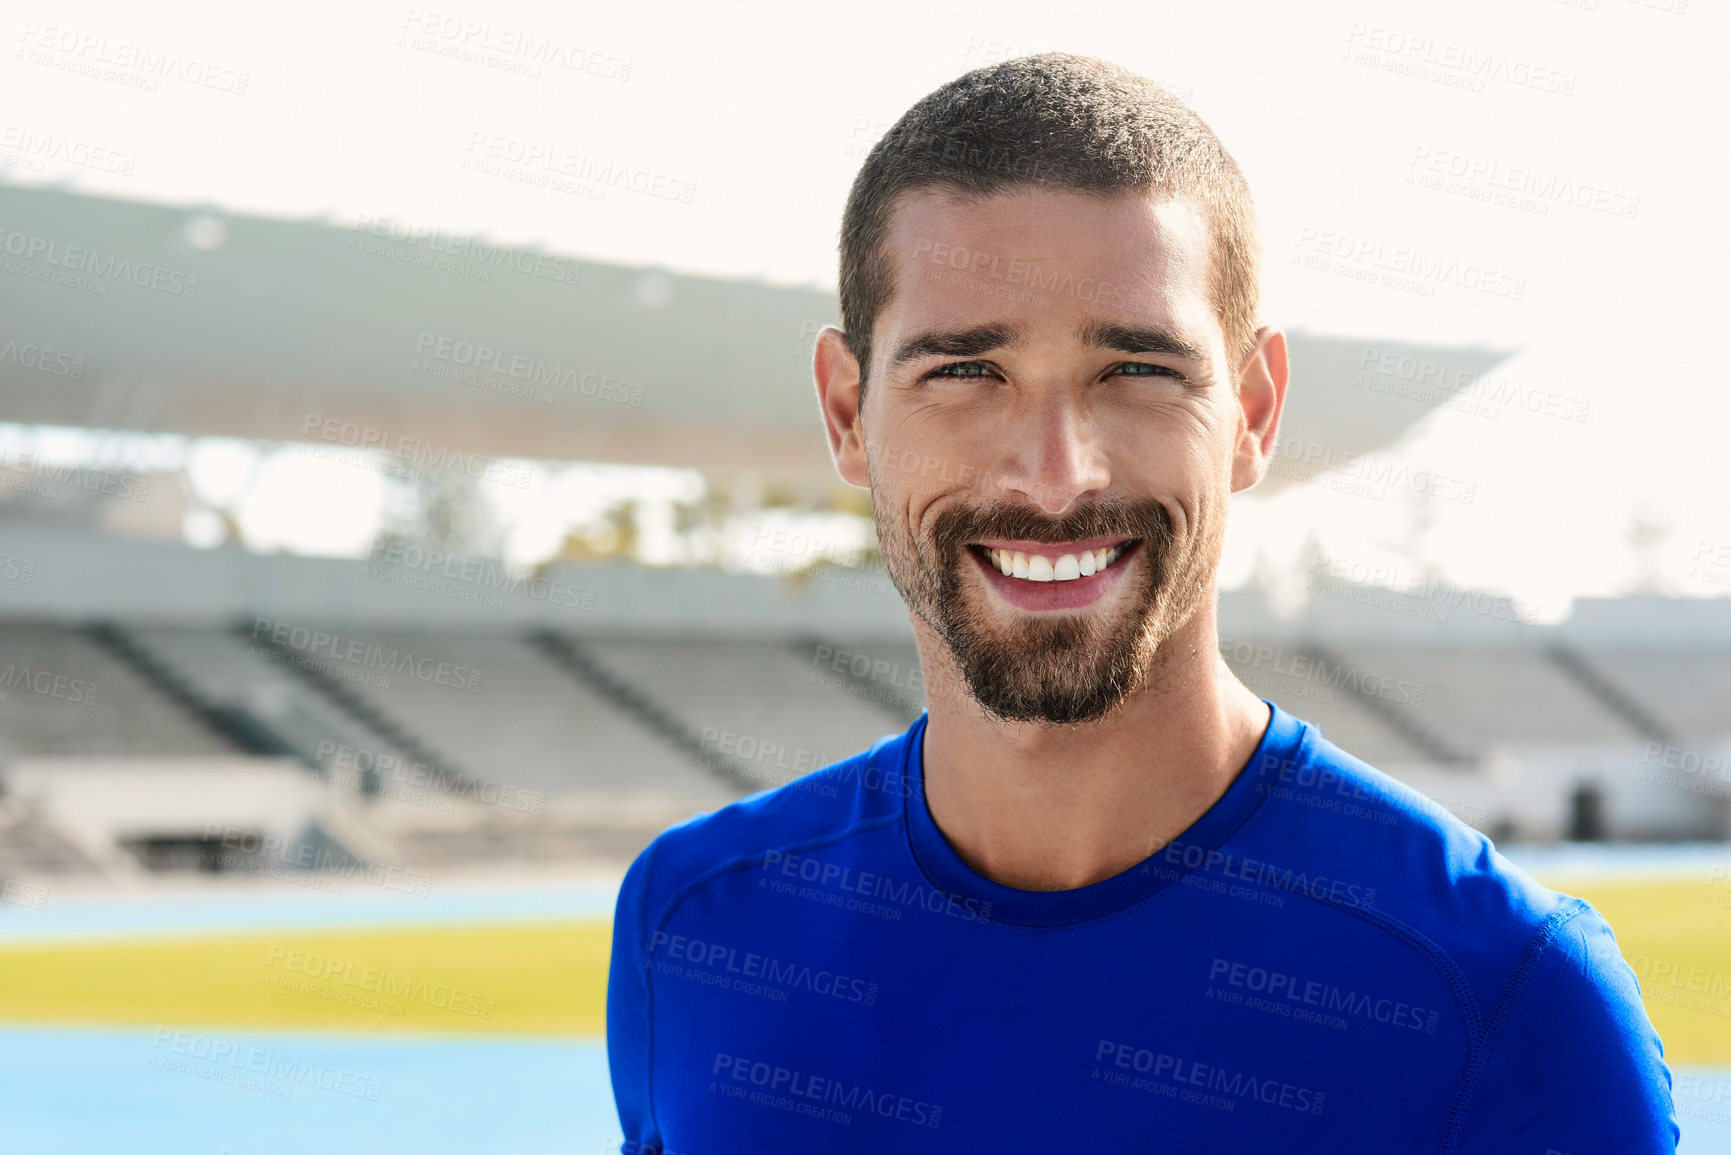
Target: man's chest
<point>858,1016</point>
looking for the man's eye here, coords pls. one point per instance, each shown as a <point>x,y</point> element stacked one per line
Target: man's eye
<point>976,370</point>
<point>961,369</point>
<point>1143,369</point>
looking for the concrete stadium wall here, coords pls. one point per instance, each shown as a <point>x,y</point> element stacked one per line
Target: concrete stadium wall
<point>78,577</point>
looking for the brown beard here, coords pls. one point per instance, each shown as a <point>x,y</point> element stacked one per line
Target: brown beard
<point>1061,669</point>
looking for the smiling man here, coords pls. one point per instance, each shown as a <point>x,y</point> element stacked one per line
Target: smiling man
<point>1100,896</point>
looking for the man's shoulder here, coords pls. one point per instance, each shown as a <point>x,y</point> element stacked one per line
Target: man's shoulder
<point>1564,1056</point>
<point>1407,863</point>
<point>857,793</point>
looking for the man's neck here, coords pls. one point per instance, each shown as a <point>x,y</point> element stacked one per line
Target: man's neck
<point>1041,807</point>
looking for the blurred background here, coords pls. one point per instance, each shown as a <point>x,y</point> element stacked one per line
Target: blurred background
<point>412,499</point>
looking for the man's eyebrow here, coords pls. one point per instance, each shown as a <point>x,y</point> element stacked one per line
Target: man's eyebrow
<point>1136,339</point>
<point>970,342</point>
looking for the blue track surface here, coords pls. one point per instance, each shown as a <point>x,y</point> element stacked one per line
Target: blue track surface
<point>242,911</point>
<point>73,1091</point>
<point>99,1091</point>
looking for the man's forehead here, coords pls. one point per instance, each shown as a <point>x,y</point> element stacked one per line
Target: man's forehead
<point>1050,256</point>
<point>1035,222</point>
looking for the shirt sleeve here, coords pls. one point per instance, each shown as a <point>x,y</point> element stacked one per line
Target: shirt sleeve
<point>1575,1067</point>
<point>628,1056</point>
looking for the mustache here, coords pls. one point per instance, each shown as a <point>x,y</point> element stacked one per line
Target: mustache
<point>1147,519</point>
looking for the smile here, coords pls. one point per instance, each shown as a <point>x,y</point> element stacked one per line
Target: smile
<point>1033,575</point>
<point>1066,567</point>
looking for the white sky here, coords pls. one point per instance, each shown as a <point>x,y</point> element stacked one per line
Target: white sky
<point>767,109</point>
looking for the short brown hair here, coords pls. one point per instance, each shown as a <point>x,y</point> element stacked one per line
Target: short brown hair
<point>1072,122</point>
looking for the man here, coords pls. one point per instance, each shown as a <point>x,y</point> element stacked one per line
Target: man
<point>1100,897</point>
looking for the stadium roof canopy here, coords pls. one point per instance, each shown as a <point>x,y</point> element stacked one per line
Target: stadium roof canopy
<point>192,321</point>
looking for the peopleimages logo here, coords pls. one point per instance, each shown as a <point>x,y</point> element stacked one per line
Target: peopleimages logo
<point>1183,857</point>
<point>993,266</point>
<point>253,1068</point>
<point>729,960</point>
<point>1312,668</point>
<point>47,683</point>
<point>1181,1073</point>
<point>136,65</point>
<point>523,367</point>
<point>274,857</point>
<point>384,982</point>
<point>833,877</point>
<point>404,455</point>
<point>1400,266</point>
<point>65,473</point>
<point>1324,997</point>
<point>777,1080</point>
<point>349,765</point>
<point>480,573</point>
<point>307,642</point>
<point>42,360</point>
<point>92,263</point>
<point>504,48</point>
<point>35,148</point>
<point>558,168</point>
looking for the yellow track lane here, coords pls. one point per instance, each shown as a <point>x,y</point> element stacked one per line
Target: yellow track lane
<point>537,979</point>
<point>551,978</point>
<point>1678,940</point>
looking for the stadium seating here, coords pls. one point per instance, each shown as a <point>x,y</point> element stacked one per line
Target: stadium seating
<point>503,713</point>
<point>1311,691</point>
<point>772,708</point>
<point>1481,697</point>
<point>64,695</point>
<point>232,671</point>
<point>1689,690</point>
<point>620,734</point>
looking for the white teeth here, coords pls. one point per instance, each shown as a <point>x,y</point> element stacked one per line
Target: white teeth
<point>1039,568</point>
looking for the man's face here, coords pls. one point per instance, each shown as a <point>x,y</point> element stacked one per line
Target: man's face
<point>1049,395</point>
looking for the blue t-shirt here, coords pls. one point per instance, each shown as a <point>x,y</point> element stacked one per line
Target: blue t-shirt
<point>1324,962</point>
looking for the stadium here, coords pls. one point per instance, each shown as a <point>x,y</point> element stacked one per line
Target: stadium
<point>323,747</point>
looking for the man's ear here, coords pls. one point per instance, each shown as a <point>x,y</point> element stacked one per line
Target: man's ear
<point>838,397</point>
<point>1262,378</point>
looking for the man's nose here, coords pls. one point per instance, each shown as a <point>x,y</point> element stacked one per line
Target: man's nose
<point>1054,456</point>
